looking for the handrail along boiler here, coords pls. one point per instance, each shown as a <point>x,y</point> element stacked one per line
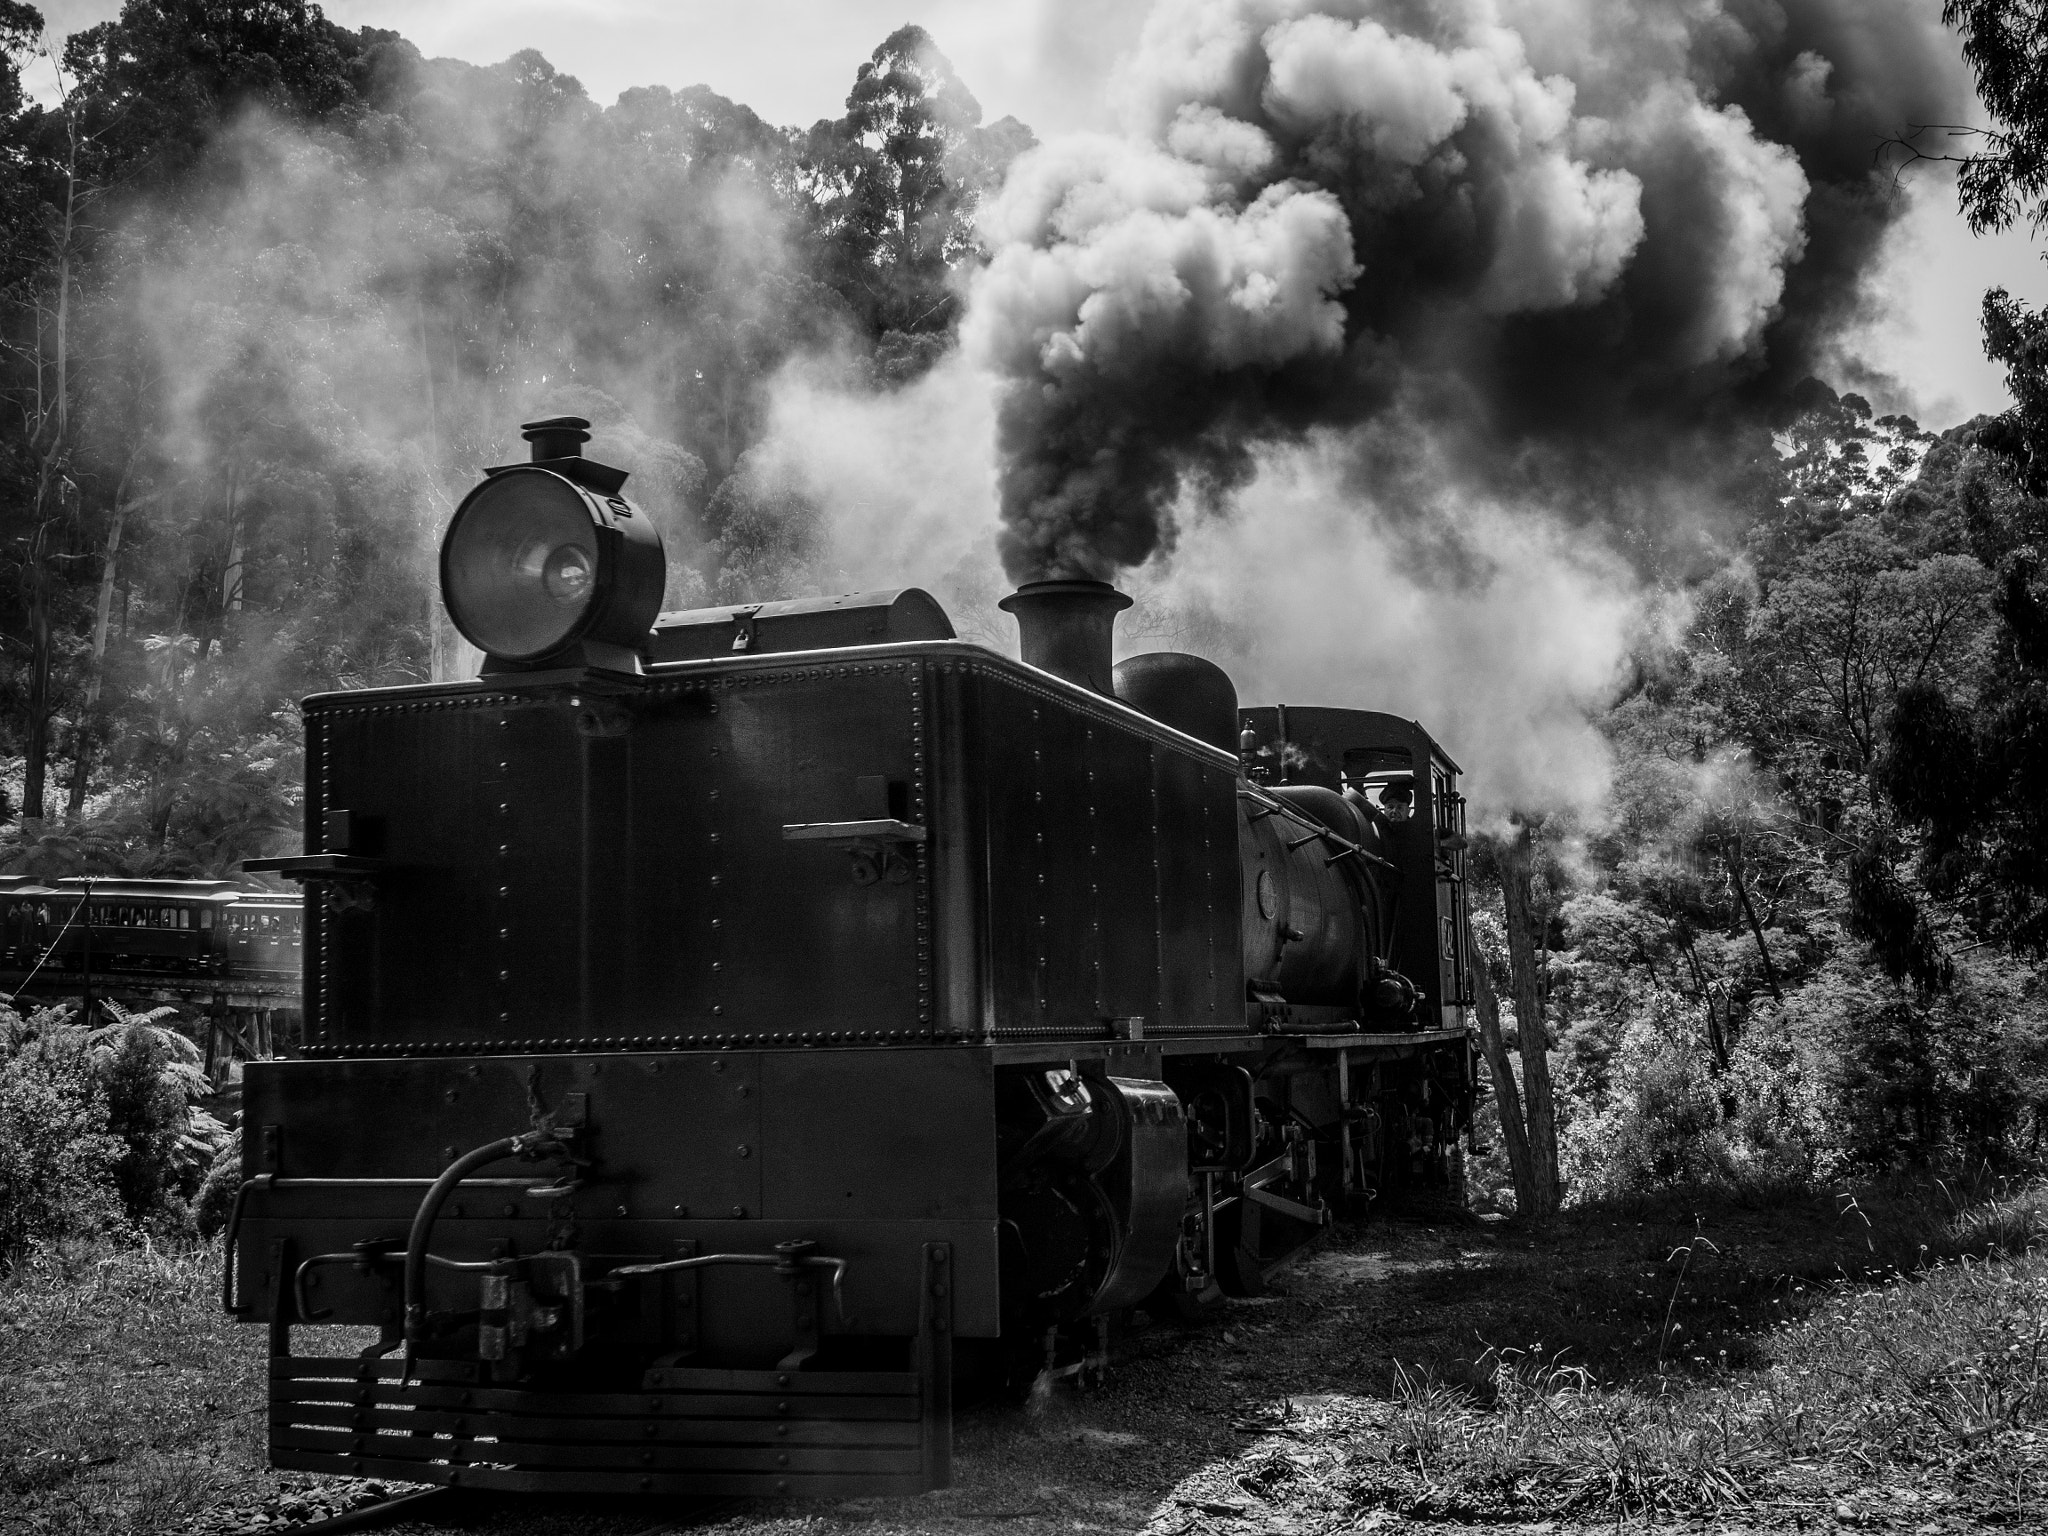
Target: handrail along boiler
<point>723,1025</point>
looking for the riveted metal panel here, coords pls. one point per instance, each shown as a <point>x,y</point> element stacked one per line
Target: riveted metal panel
<point>674,1134</point>
<point>1105,867</point>
<point>955,932</point>
<point>1123,880</point>
<point>909,1134</point>
<point>1041,914</point>
<point>1201,963</point>
<point>787,925</point>
<point>559,871</point>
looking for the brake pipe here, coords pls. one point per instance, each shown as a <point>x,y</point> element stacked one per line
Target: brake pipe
<point>535,1143</point>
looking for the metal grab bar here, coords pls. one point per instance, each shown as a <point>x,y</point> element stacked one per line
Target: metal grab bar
<point>537,1191</point>
<point>1271,805</point>
<point>234,1231</point>
<point>365,1260</point>
<point>269,1182</point>
<point>788,1264</point>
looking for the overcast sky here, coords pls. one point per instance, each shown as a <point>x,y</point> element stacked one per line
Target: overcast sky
<point>1047,62</point>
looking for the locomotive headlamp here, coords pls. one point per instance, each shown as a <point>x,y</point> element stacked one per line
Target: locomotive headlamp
<point>547,563</point>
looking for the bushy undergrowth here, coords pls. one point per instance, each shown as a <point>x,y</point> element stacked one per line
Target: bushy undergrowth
<point>1923,1393</point>
<point>57,1159</point>
<point>101,1129</point>
<point>1846,1076</point>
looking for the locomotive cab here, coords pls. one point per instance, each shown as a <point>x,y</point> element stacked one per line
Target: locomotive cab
<point>712,1017</point>
<point>1394,769</point>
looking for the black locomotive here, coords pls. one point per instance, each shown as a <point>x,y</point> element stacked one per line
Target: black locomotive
<point>721,1026</point>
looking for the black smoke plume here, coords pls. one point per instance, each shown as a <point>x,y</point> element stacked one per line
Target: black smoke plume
<point>1583,246</point>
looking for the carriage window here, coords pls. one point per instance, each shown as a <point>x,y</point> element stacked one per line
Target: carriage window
<point>205,917</point>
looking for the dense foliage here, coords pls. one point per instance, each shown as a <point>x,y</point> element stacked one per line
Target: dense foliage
<point>102,1128</point>
<point>1803,938</point>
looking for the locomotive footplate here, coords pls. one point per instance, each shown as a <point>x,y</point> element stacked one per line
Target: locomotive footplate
<point>688,1430</point>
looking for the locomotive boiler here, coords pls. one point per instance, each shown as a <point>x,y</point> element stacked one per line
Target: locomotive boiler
<point>726,1028</point>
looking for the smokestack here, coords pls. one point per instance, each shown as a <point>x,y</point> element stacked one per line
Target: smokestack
<point>559,437</point>
<point>1065,626</point>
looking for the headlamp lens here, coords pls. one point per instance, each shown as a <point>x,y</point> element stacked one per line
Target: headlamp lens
<point>569,575</point>
<point>520,566</point>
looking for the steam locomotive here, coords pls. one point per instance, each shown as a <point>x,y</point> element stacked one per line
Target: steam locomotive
<point>724,1027</point>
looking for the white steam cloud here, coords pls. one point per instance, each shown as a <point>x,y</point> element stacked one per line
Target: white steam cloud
<point>1305,594</point>
<point>1342,353</point>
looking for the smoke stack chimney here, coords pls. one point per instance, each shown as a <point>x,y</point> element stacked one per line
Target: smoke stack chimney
<point>559,437</point>
<point>1065,626</point>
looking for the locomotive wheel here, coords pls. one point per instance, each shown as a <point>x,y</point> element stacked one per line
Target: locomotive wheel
<point>1057,1239</point>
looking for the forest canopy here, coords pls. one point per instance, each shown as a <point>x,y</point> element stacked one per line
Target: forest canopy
<point>276,290</point>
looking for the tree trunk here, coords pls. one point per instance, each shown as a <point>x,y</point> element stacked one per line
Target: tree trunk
<point>231,564</point>
<point>36,749</point>
<point>81,762</point>
<point>1507,1099</point>
<point>1517,895</point>
<point>52,434</point>
<point>1717,1040</point>
<point>1756,929</point>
